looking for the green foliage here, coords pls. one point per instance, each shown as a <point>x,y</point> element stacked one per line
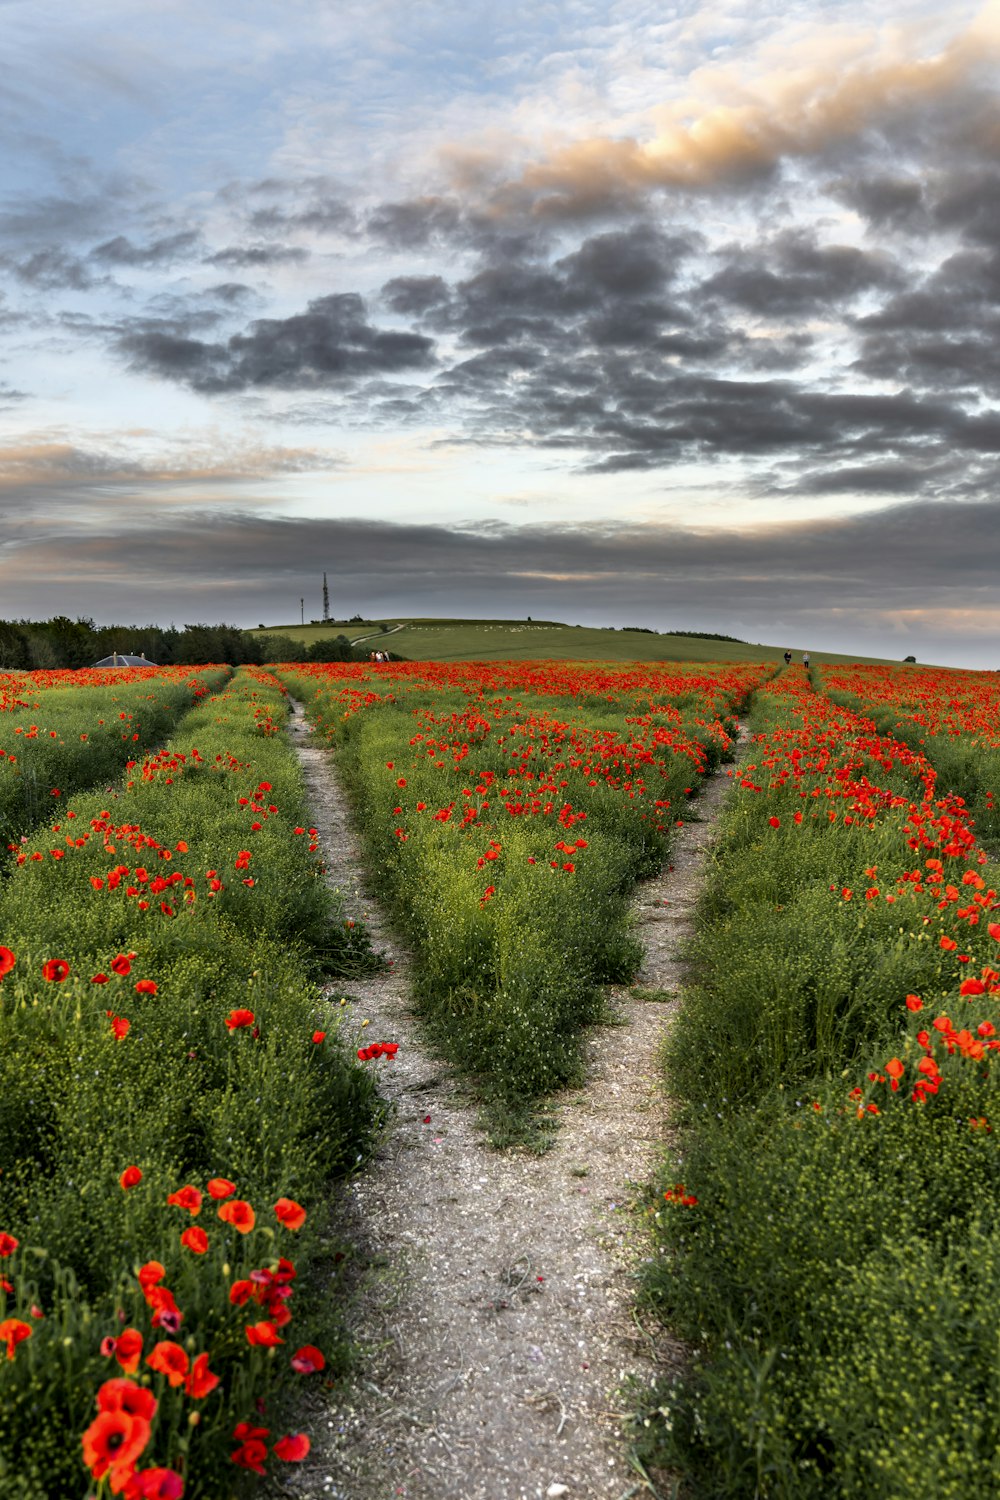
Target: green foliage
<point>60,740</point>
<point>182,1095</point>
<point>830,1254</point>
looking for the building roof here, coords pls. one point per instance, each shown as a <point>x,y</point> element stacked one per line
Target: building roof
<point>118,660</point>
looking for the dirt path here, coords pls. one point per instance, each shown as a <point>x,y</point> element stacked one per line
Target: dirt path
<point>498,1325</point>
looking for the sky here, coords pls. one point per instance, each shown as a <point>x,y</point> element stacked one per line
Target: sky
<point>677,315</point>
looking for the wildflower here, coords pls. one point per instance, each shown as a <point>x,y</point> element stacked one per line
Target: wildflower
<point>13,1331</point>
<point>914,1002</point>
<point>201,1381</point>
<point>239,1214</point>
<point>895,1069</point>
<point>318,1037</point>
<point>195,1240</point>
<point>156,1484</point>
<point>774,822</point>
<point>252,1450</point>
<point>8,1244</point>
<point>169,1359</point>
<point>122,965</point>
<point>126,1348</point>
<point>130,1178</point>
<point>187,1197</point>
<point>307,1360</point>
<point>221,1187</point>
<point>114,1441</point>
<point>145,987</point>
<point>292,1450</point>
<point>290,1213</point>
<point>55,970</point>
<point>7,961</point>
<point>264,1334</point>
<point>238,1018</point>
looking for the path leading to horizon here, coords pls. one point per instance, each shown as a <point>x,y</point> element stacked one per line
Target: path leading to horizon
<point>497,1324</point>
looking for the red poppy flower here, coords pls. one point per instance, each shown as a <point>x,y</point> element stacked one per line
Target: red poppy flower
<point>263,1334</point>
<point>130,1177</point>
<point>156,1484</point>
<point>195,1240</point>
<point>121,1026</point>
<point>200,1382</point>
<point>171,1360</point>
<point>292,1450</point>
<point>122,964</point>
<point>308,1359</point>
<point>252,1450</point>
<point>114,1440</point>
<point>12,1332</point>
<point>8,1244</point>
<point>290,1213</point>
<point>238,1213</point>
<point>241,1292</point>
<point>221,1187</point>
<point>99,979</point>
<point>150,1274</point>
<point>127,1349</point>
<point>55,970</point>
<point>238,1018</point>
<point>7,961</point>
<point>145,987</point>
<point>124,1395</point>
<point>319,1036</point>
<point>187,1197</point>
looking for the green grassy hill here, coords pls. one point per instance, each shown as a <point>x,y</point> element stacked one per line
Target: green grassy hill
<point>507,640</point>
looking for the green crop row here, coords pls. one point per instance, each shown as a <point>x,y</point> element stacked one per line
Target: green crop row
<point>56,741</point>
<point>506,837</point>
<point>160,1016</point>
<point>826,1239</point>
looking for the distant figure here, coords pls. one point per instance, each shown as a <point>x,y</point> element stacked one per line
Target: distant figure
<point>788,658</point>
<point>805,658</point>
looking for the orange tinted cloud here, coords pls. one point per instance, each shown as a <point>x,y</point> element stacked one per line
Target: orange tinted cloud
<point>743,119</point>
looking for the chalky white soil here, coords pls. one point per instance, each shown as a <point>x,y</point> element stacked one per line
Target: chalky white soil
<point>498,1323</point>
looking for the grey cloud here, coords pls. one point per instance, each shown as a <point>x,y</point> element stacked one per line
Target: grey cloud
<point>120,251</point>
<point>413,296</point>
<point>886,201</point>
<point>415,223</point>
<point>243,257</point>
<point>331,342</point>
<point>51,269</point>
<point>794,276</point>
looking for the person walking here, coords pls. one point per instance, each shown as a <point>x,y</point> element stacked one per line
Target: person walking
<point>788,658</point>
<point>805,659</point>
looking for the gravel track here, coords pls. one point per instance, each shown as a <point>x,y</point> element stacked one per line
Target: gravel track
<point>497,1321</point>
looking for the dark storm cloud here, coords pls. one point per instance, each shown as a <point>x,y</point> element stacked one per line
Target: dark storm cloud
<point>121,251</point>
<point>330,343</point>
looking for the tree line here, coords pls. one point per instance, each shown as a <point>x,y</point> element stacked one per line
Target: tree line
<point>37,645</point>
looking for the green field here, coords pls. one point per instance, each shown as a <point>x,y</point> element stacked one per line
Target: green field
<point>506,640</point>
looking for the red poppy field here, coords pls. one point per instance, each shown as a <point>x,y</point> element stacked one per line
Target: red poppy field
<point>176,1100</point>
